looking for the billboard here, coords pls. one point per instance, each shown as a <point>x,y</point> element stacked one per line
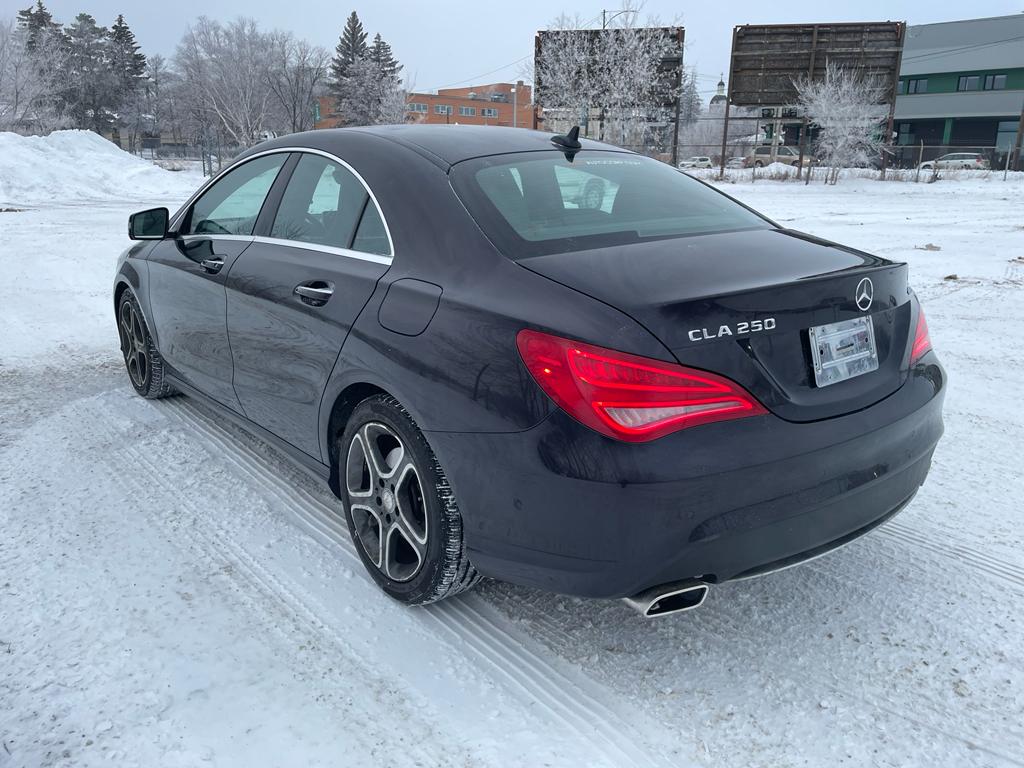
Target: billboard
<point>767,58</point>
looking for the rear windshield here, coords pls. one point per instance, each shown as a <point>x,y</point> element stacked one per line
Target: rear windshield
<point>536,203</point>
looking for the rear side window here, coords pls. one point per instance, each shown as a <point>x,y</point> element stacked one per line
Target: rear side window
<point>326,204</point>
<point>535,203</point>
<point>230,206</point>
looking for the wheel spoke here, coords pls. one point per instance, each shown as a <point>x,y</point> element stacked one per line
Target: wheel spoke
<point>410,502</point>
<point>360,474</point>
<point>143,365</point>
<point>138,335</point>
<point>383,449</point>
<point>403,555</point>
<point>368,532</point>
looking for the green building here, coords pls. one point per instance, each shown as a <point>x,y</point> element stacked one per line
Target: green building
<point>962,87</point>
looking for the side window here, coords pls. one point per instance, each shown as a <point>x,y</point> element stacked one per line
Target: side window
<point>230,206</point>
<point>323,205</point>
<point>371,237</point>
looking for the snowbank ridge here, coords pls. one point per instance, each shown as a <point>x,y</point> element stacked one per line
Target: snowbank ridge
<point>69,167</point>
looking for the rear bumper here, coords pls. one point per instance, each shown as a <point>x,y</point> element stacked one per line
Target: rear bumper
<point>564,509</point>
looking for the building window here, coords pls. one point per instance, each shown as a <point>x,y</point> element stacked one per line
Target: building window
<point>442,109</point>
<point>415,106</point>
<point>467,111</point>
<point>489,112</point>
<point>917,86</point>
<point>995,82</point>
<point>900,85</point>
<point>968,83</point>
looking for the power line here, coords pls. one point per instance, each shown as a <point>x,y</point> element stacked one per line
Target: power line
<point>482,74</point>
<point>503,66</point>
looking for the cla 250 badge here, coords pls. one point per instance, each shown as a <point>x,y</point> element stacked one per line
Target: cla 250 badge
<point>753,326</point>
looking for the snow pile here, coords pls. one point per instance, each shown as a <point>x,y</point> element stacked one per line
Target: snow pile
<point>76,166</point>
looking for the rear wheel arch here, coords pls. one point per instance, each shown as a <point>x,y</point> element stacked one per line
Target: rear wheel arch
<point>341,410</point>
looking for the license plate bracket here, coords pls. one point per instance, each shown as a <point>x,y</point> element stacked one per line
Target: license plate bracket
<point>843,350</point>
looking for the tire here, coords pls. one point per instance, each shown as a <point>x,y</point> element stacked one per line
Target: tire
<point>141,359</point>
<point>400,509</point>
<point>758,164</point>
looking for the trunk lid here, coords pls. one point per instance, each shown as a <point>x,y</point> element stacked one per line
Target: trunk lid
<point>705,297</point>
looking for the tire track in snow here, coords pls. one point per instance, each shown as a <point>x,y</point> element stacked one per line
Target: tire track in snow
<point>472,608</point>
<point>948,548</point>
<point>256,587</point>
<point>569,697</point>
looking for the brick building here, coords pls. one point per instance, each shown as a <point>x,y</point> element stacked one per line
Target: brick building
<point>492,104</point>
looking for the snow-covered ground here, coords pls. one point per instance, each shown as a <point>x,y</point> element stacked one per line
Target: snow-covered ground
<point>175,593</point>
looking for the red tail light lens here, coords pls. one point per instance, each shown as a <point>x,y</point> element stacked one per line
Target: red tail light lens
<point>627,397</point>
<point>922,341</point>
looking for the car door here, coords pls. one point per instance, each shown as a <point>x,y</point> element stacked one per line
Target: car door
<point>187,274</point>
<point>293,295</point>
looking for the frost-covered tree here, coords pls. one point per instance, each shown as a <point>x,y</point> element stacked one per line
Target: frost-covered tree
<point>128,69</point>
<point>38,24</point>
<point>90,90</point>
<point>615,74</point>
<point>567,81</point>
<point>31,68</point>
<point>371,96</point>
<point>690,104</point>
<point>295,76</point>
<point>225,69</point>
<point>849,110</point>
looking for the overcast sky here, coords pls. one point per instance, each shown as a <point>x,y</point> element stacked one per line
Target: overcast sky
<point>456,42</point>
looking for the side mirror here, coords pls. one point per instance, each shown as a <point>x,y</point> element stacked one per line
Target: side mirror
<point>148,225</point>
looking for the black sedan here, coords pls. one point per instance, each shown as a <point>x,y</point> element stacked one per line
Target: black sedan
<point>537,358</point>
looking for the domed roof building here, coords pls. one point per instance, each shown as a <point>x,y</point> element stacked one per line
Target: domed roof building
<point>720,97</point>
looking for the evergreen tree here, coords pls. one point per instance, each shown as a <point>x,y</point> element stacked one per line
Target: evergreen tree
<point>90,89</point>
<point>37,21</point>
<point>380,54</point>
<point>350,49</point>
<point>128,73</point>
<point>127,63</point>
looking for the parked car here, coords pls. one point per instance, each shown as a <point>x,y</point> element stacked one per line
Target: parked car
<point>696,162</point>
<point>761,156</point>
<point>966,161</point>
<point>539,359</point>
<point>736,162</point>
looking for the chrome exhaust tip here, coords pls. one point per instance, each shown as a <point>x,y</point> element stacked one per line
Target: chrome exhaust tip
<point>667,599</point>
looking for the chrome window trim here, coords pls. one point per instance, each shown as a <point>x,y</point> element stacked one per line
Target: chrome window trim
<point>215,236</point>
<point>374,257</point>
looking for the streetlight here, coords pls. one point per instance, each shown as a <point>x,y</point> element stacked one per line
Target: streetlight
<point>605,18</point>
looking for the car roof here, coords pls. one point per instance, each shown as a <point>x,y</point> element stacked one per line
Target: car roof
<point>446,145</point>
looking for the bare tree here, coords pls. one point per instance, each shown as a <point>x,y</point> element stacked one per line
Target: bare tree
<point>295,75</point>
<point>225,68</point>
<point>568,85</point>
<point>614,75</point>
<point>29,76</point>
<point>849,110</point>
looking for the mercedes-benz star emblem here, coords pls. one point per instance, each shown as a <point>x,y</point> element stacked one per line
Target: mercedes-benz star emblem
<point>864,294</point>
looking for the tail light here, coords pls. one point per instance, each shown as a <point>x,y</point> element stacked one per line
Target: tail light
<point>627,397</point>
<point>922,341</point>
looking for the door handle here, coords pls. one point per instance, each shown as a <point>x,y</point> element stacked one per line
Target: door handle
<point>315,292</point>
<point>212,264</point>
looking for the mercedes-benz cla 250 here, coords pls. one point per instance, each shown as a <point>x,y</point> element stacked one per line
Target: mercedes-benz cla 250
<point>538,359</point>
